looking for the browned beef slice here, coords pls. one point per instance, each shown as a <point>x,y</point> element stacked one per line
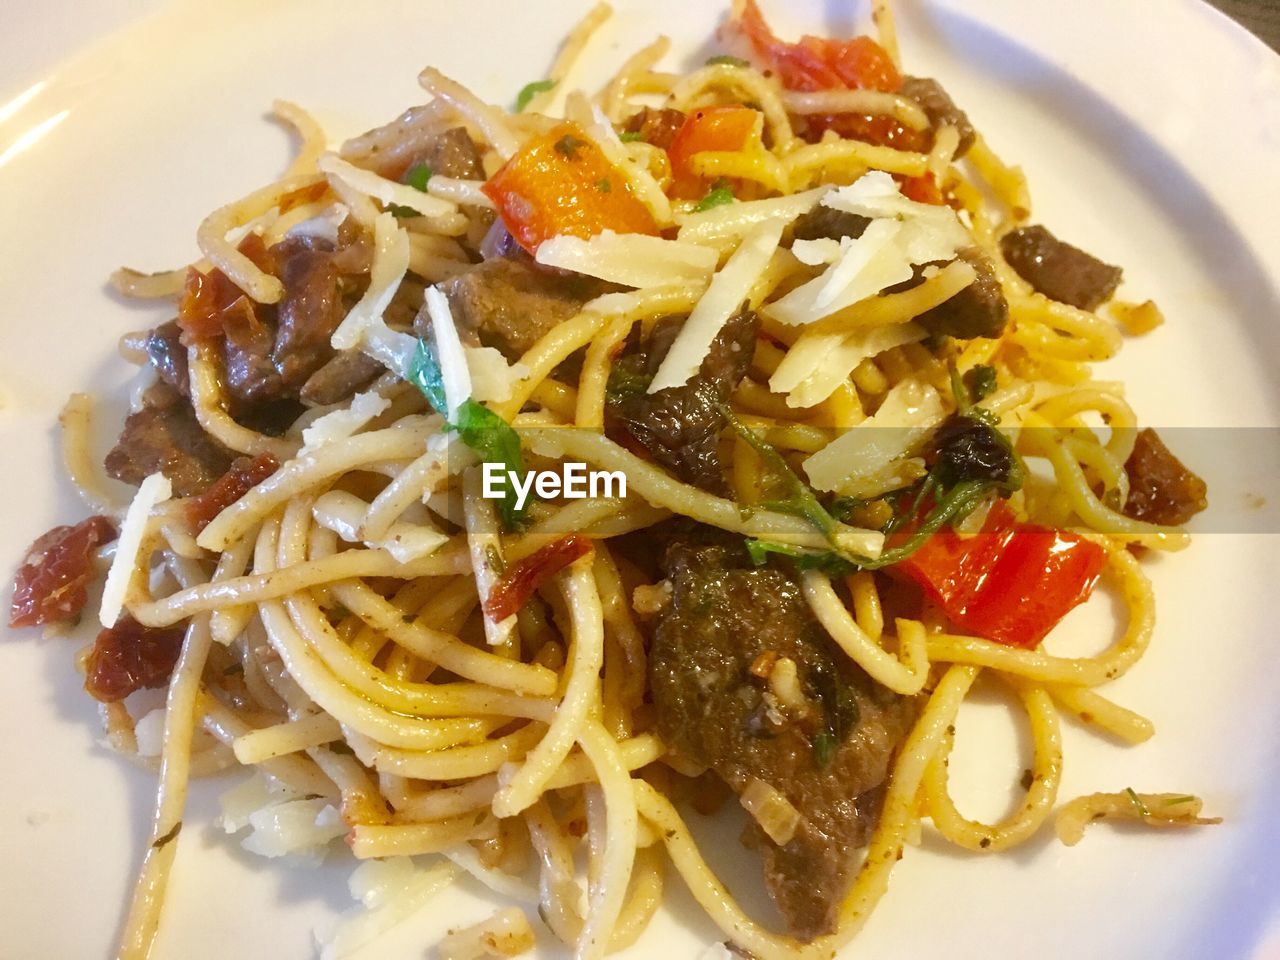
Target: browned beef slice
<point>681,426</point>
<point>828,759</point>
<point>823,222</point>
<point>308,313</point>
<point>511,304</point>
<point>1161,489</point>
<point>165,436</point>
<point>348,372</point>
<point>939,107</point>
<point>1059,270</point>
<point>270,353</point>
<point>451,154</point>
<point>979,310</point>
<point>656,126</point>
<point>168,357</point>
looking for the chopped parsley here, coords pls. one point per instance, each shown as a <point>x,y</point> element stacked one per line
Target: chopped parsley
<point>479,427</point>
<point>630,136</point>
<point>716,198</point>
<point>531,90</point>
<point>603,185</point>
<point>401,212</point>
<point>1137,803</point>
<point>568,146</point>
<point>418,176</point>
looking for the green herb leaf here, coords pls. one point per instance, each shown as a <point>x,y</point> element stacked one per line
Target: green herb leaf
<point>567,146</point>
<point>980,381</point>
<point>479,428</point>
<point>716,198</point>
<point>824,748</point>
<point>418,176</point>
<point>496,442</point>
<point>799,500</point>
<point>727,60</point>
<point>630,136</point>
<point>827,562</point>
<point>425,374</point>
<point>531,90</point>
<point>603,185</point>
<point>401,212</point>
<point>1137,802</point>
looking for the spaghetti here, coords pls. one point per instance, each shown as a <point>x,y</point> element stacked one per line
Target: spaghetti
<point>337,633</point>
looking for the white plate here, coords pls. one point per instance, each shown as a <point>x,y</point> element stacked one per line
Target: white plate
<point>1151,134</point>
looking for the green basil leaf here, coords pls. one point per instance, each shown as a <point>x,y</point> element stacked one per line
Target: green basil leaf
<point>531,90</point>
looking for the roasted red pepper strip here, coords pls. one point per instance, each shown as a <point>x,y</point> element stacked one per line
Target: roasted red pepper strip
<point>1011,583</point>
<point>50,586</point>
<point>814,63</point>
<point>525,576</point>
<point>243,475</point>
<point>560,183</point>
<point>923,189</point>
<point>712,128</point>
<point>129,657</point>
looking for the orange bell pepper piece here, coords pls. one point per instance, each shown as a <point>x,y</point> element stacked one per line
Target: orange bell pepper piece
<point>561,183</point>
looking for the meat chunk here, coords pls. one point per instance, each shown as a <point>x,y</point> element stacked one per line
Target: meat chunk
<point>940,108</point>
<point>165,436</point>
<point>168,357</point>
<point>308,313</point>
<point>823,222</point>
<point>270,354</point>
<point>681,426</point>
<point>828,754</point>
<point>511,304</point>
<point>1161,489</point>
<point>128,657</point>
<point>344,375</point>
<point>1059,270</point>
<point>979,310</point>
<point>51,585</point>
<point>656,126</point>
<point>450,153</point>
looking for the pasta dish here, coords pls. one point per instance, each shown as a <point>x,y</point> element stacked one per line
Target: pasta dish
<point>514,488</point>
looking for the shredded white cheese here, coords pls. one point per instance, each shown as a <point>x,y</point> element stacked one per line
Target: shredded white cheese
<point>154,490</point>
<point>630,259</point>
<point>737,219</point>
<point>302,827</point>
<point>380,188</point>
<point>492,379</point>
<point>906,416</point>
<point>390,891</point>
<point>902,233</point>
<point>340,424</point>
<point>865,266</point>
<point>728,291</point>
<point>390,263</point>
<point>323,226</point>
<point>455,374</point>
<point>817,364</point>
<point>817,252</point>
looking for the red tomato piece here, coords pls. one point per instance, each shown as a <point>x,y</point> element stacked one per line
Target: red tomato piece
<point>1012,583</point>
<point>51,585</point>
<point>522,578</point>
